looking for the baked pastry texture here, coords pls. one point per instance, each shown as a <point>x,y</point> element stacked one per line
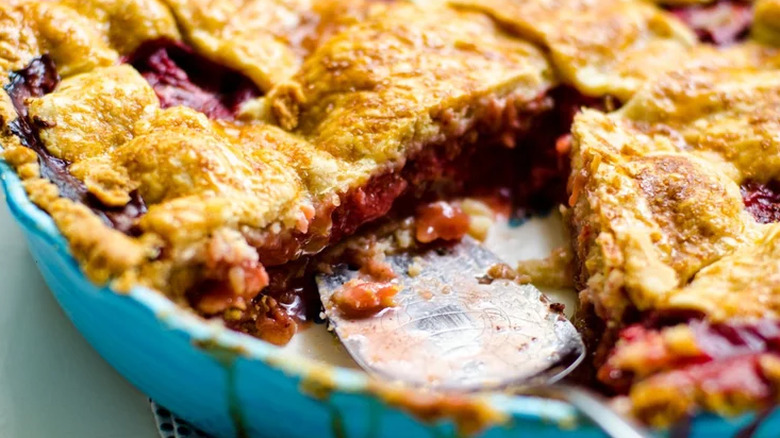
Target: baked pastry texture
<point>674,211</point>
<point>206,149</point>
<point>190,162</point>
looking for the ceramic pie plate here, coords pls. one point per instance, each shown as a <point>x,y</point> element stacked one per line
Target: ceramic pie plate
<point>229,384</point>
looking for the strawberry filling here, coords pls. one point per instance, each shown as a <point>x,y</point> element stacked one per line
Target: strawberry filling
<point>721,23</point>
<point>180,77</point>
<point>361,299</point>
<point>762,201</point>
<point>722,359</point>
<point>440,220</point>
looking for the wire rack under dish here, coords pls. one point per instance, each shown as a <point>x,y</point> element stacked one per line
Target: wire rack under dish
<point>170,426</point>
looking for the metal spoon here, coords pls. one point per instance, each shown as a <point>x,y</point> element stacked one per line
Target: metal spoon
<point>455,328</point>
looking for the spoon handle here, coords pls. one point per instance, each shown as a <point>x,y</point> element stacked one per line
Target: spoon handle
<point>595,408</point>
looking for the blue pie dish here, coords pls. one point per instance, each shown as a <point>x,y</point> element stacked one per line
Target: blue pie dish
<point>230,384</point>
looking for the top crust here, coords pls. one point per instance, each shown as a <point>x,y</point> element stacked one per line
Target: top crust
<point>662,235</point>
<point>356,87</point>
<point>602,48</point>
<point>659,202</point>
<point>267,40</point>
<point>351,90</point>
<point>79,36</point>
<point>401,80</point>
<point>368,97</point>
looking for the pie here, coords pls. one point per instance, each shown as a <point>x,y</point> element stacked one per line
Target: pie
<point>210,150</point>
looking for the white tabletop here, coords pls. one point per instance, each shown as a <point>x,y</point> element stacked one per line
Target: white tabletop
<point>52,384</point>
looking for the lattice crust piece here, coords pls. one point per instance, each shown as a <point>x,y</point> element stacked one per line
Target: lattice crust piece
<point>766,21</point>
<point>78,35</point>
<point>659,221</point>
<point>656,184</point>
<point>603,47</point>
<point>267,40</point>
<point>343,96</point>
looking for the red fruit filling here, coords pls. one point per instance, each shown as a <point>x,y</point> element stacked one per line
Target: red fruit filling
<point>723,353</point>
<point>242,284</point>
<point>738,378</point>
<point>179,76</point>
<point>721,23</point>
<point>361,299</point>
<point>440,220</point>
<point>762,201</point>
<point>365,204</point>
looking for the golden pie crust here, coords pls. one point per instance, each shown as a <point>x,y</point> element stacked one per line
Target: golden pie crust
<point>349,92</point>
